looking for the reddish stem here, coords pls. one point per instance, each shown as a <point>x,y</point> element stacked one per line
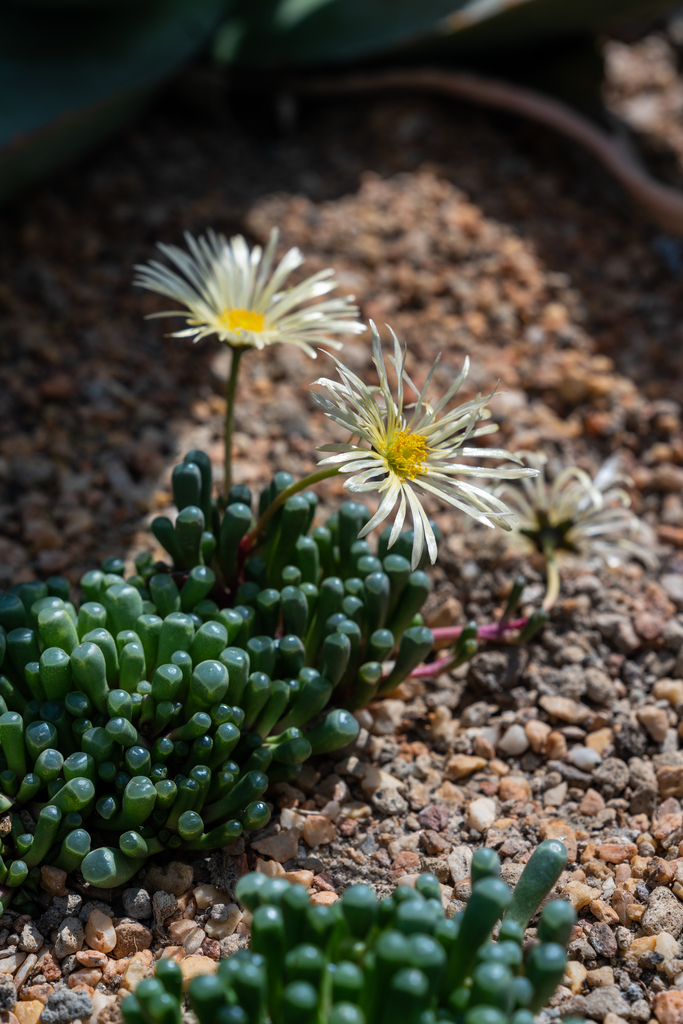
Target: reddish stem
<point>491,631</point>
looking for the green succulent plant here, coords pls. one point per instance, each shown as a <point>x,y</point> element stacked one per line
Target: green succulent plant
<point>153,717</point>
<point>348,608</point>
<point>398,959</point>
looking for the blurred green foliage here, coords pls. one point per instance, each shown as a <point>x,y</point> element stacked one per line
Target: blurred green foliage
<point>280,33</point>
<point>71,71</point>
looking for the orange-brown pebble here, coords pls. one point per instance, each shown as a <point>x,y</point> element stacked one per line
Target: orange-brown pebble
<point>50,968</point>
<point>324,899</point>
<point>459,766</point>
<point>192,966</point>
<point>614,1018</point>
<point>206,895</point>
<point>592,803</point>
<point>665,825</point>
<point>318,830</point>
<point>660,871</point>
<point>178,931</point>
<point>588,852</point>
<point>600,740</point>
<point>603,912</point>
<point>639,866</point>
<point>137,969</point>
<point>579,894</point>
<point>53,880</point>
<point>29,1011</point>
<point>669,1007</point>
<point>131,937</point>
<point>514,787</point>
<point>176,953</point>
<point>574,975</point>
<point>556,746</point>
<point>577,876</point>
<point>615,853</point>
<point>670,779</point>
<point>654,720</point>
<point>91,958</point>
<point>562,831</point>
<point>600,977</point>
<point>642,944</point>
<point>537,734</point>
<point>88,976</point>
<point>112,968</point>
<point>483,747</point>
<point>40,992</point>
<point>598,869</point>
<point>620,902</point>
<point>300,877</point>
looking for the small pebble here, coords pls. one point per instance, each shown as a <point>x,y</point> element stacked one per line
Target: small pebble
<point>592,803</point>
<point>132,936</point>
<point>29,1011</point>
<point>174,878</point>
<point>223,921</point>
<point>514,741</point>
<point>163,905</point>
<point>99,932</point>
<point>481,813</point>
<point>584,758</point>
<point>87,976</point>
<point>137,903</point>
<point>8,992</point>
<point>53,880</point>
<point>192,966</point>
<point>70,938</point>
<point>318,830</point>
<point>206,895</point>
<point>64,1006</point>
<point>30,939</point>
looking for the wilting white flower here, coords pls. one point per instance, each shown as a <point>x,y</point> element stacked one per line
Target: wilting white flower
<point>236,293</point>
<point>577,515</point>
<point>401,448</point>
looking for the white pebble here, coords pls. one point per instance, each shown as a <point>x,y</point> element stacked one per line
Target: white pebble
<point>514,741</point>
<point>584,757</point>
<point>481,813</point>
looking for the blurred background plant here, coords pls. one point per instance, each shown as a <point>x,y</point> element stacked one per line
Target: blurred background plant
<point>73,71</point>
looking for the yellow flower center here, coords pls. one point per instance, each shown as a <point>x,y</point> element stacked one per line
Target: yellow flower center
<point>406,454</point>
<point>241,320</point>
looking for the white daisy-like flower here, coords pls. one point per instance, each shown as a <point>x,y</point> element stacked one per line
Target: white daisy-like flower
<point>237,294</point>
<point>578,515</point>
<point>402,448</point>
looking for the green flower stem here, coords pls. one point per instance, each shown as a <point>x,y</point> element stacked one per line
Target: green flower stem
<point>552,579</point>
<point>250,538</point>
<point>230,390</point>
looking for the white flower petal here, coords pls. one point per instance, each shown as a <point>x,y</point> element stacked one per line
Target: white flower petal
<point>216,277</point>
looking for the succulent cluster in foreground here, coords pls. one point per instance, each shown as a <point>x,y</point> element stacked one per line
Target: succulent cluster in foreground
<point>154,717</point>
<point>399,959</point>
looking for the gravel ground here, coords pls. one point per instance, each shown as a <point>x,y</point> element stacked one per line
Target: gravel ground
<point>470,234</point>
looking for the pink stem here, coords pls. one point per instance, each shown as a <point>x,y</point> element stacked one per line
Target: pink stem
<point>491,631</point>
